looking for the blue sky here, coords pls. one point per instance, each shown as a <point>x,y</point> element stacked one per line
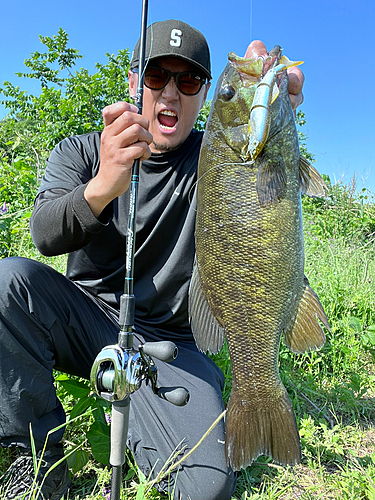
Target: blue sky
<point>334,38</point>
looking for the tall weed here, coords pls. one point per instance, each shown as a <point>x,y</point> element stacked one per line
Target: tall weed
<point>340,265</point>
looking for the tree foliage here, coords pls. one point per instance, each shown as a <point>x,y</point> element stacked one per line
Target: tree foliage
<point>70,101</point>
<point>302,137</point>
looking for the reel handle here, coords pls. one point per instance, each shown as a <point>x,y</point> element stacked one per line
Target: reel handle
<point>178,396</point>
<point>164,350</point>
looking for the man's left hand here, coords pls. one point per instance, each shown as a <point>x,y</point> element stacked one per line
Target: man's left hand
<point>296,77</point>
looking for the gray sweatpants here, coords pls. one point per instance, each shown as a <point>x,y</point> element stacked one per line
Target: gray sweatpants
<point>46,322</point>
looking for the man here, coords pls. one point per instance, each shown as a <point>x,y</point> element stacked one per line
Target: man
<point>50,321</point>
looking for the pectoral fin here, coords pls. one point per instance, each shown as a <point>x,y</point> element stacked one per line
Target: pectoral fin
<point>208,334</point>
<point>271,180</point>
<point>311,182</point>
<point>304,332</point>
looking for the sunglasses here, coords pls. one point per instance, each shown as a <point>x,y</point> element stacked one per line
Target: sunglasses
<point>188,83</point>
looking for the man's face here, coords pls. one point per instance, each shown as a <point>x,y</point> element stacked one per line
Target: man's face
<point>171,114</point>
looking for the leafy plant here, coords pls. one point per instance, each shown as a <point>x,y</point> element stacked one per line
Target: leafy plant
<point>200,123</point>
<point>80,400</point>
<point>302,137</point>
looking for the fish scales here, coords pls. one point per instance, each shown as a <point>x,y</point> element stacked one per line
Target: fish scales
<point>248,281</point>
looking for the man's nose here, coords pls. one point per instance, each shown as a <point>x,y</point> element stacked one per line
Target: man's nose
<point>170,91</point>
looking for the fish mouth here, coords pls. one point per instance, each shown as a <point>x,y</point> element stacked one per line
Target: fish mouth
<point>168,120</point>
<point>247,67</point>
<point>254,69</point>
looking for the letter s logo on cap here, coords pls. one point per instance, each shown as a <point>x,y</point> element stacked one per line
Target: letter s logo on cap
<point>175,40</point>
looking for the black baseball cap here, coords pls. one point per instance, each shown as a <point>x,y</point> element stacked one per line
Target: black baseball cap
<point>174,38</point>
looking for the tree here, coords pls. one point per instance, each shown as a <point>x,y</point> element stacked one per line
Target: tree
<point>69,103</point>
<point>302,137</point>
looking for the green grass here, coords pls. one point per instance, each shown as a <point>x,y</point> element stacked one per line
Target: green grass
<point>333,390</point>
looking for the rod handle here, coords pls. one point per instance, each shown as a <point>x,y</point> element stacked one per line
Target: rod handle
<point>119,431</point>
<point>127,309</point>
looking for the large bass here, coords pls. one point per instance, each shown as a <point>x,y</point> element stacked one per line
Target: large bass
<point>248,281</point>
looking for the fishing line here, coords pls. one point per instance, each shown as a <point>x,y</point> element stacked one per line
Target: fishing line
<point>147,60</point>
<point>251,20</point>
<point>151,44</point>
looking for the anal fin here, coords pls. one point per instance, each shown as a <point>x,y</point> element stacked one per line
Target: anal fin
<point>305,332</point>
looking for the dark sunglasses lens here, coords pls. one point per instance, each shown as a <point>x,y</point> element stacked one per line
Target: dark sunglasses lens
<point>189,83</point>
<point>155,78</point>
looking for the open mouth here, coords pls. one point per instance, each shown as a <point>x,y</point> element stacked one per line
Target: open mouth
<point>167,120</point>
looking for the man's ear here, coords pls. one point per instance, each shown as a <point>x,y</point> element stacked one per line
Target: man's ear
<point>133,82</point>
<point>204,97</point>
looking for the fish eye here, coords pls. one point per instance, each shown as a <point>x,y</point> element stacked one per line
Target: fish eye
<point>228,92</point>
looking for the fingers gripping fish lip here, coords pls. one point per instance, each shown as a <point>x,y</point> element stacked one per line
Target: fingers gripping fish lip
<point>258,67</point>
<point>247,66</point>
<point>259,80</point>
<point>253,81</point>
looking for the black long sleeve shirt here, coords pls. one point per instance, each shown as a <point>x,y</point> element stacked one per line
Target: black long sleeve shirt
<point>62,222</point>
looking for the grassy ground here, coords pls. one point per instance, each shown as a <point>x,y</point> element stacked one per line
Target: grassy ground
<point>333,390</point>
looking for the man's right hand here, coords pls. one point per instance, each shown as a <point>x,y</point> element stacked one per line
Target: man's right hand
<point>124,139</point>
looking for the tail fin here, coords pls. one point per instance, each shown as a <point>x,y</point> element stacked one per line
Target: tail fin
<point>251,432</point>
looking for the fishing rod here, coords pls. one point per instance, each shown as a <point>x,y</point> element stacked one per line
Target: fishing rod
<point>127,300</point>
<point>119,370</point>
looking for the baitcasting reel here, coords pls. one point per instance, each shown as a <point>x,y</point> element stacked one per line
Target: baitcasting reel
<point>118,372</point>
